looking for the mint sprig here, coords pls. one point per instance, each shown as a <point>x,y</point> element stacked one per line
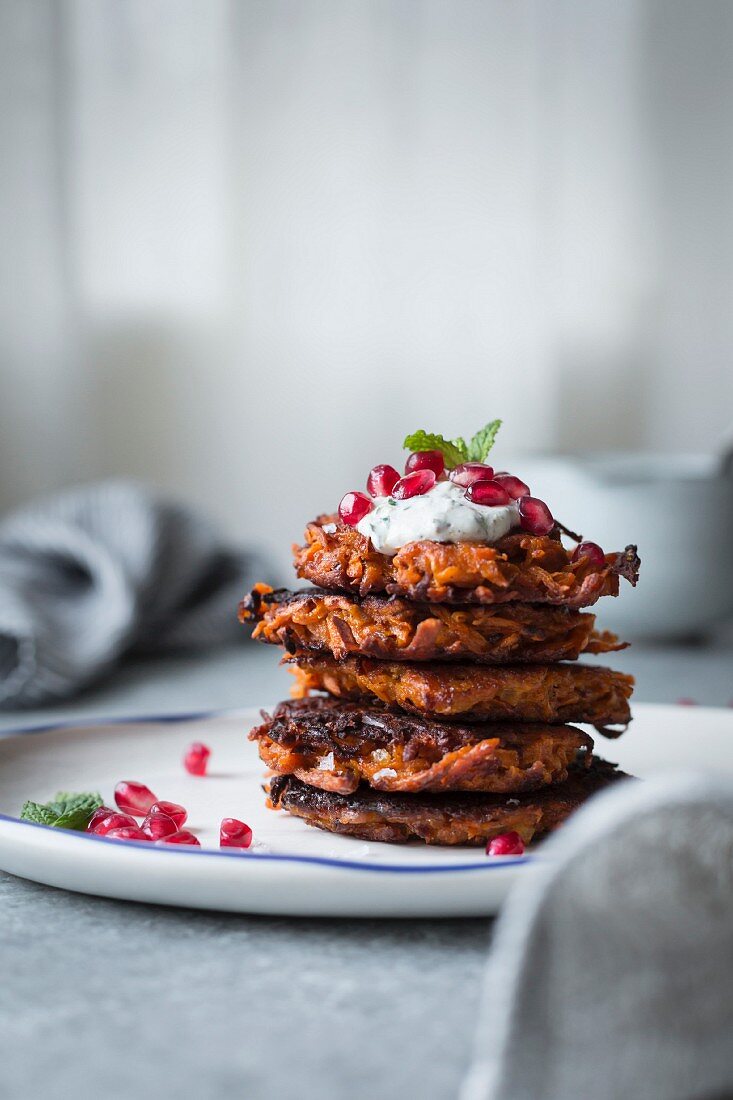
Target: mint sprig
<point>456,451</point>
<point>451,450</point>
<point>67,810</point>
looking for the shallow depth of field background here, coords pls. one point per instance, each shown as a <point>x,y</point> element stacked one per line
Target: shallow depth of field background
<point>247,245</point>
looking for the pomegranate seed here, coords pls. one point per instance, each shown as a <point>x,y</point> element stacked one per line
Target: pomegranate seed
<point>172,810</point>
<point>126,832</point>
<point>134,798</point>
<point>468,472</point>
<point>197,758</point>
<point>353,507</point>
<point>111,820</point>
<point>99,816</point>
<point>513,485</point>
<point>181,837</point>
<point>590,550</point>
<point>156,826</point>
<point>487,492</point>
<point>535,516</point>
<point>425,460</point>
<point>505,844</point>
<point>234,833</point>
<point>414,485</point>
<point>381,481</point>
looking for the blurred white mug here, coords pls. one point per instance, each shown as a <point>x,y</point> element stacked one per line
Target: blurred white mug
<point>677,509</point>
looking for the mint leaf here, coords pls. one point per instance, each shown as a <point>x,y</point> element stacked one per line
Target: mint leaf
<point>74,819</point>
<point>74,810</point>
<point>66,811</point>
<point>453,451</point>
<point>41,815</point>
<point>482,442</point>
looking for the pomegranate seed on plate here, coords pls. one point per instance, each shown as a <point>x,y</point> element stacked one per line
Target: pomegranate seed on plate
<point>134,798</point>
<point>414,485</point>
<point>98,816</point>
<point>535,516</point>
<point>197,758</point>
<point>487,492</point>
<point>425,460</point>
<point>590,550</point>
<point>102,824</point>
<point>513,485</point>
<point>234,833</point>
<point>183,836</point>
<point>172,810</point>
<point>468,472</point>
<point>382,480</point>
<point>505,844</point>
<point>126,832</point>
<point>353,507</point>
<point>156,826</point>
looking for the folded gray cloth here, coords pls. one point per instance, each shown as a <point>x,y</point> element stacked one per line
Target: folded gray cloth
<point>103,570</point>
<point>611,973</point>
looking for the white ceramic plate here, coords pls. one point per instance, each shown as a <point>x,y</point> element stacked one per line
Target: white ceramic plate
<point>291,869</point>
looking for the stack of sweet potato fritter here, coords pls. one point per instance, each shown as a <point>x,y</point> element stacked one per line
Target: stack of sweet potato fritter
<point>448,676</point>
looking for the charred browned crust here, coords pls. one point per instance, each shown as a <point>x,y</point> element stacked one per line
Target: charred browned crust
<point>474,693</point>
<point>529,568</point>
<point>391,628</point>
<point>458,819</point>
<point>337,746</point>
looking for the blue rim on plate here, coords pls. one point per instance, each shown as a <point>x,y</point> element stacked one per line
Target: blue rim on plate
<point>271,857</point>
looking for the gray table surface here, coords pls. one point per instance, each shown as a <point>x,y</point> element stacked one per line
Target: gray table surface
<point>103,998</point>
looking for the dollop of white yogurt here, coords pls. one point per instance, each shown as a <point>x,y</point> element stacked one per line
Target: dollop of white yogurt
<point>443,514</point>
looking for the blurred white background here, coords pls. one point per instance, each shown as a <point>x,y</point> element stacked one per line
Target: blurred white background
<point>247,246</point>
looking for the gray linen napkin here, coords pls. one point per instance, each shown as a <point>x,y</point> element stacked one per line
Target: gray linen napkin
<point>102,570</point>
<point>611,972</point>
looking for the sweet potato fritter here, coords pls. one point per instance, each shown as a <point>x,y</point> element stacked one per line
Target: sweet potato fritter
<point>337,746</point>
<point>398,630</point>
<point>466,819</point>
<point>522,693</point>
<point>531,568</point>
